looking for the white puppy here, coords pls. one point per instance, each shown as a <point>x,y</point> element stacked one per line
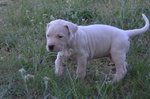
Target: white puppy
<point>90,42</point>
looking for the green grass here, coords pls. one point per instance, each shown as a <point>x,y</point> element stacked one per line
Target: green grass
<point>22,45</point>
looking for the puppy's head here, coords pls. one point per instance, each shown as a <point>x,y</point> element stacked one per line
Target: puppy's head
<point>59,34</point>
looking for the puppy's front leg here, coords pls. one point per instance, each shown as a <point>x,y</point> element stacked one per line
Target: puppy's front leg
<point>59,66</point>
<point>81,68</point>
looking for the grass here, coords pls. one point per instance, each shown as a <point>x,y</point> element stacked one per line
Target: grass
<point>27,70</point>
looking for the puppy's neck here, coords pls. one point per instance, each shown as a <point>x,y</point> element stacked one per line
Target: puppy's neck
<point>70,43</point>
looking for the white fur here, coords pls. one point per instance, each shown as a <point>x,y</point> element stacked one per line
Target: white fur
<point>90,42</point>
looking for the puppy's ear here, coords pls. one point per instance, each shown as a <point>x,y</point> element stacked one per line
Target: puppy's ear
<point>72,28</point>
<point>48,24</point>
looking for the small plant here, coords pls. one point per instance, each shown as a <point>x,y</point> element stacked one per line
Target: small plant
<point>26,77</point>
<point>46,80</point>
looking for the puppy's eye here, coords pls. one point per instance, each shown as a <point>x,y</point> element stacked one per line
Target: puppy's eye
<point>47,35</point>
<point>59,36</point>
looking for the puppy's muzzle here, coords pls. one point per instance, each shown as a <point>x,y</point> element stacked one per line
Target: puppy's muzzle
<point>51,47</point>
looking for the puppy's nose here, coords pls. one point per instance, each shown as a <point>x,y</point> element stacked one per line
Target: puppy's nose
<point>51,47</point>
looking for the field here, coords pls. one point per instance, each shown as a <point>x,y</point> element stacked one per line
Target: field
<point>27,69</point>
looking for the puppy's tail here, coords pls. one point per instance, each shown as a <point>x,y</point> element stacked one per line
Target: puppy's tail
<point>141,30</point>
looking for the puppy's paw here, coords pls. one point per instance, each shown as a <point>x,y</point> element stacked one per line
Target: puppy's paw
<point>80,74</point>
<point>59,71</point>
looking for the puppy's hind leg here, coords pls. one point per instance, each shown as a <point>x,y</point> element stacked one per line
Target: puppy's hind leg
<point>120,64</point>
